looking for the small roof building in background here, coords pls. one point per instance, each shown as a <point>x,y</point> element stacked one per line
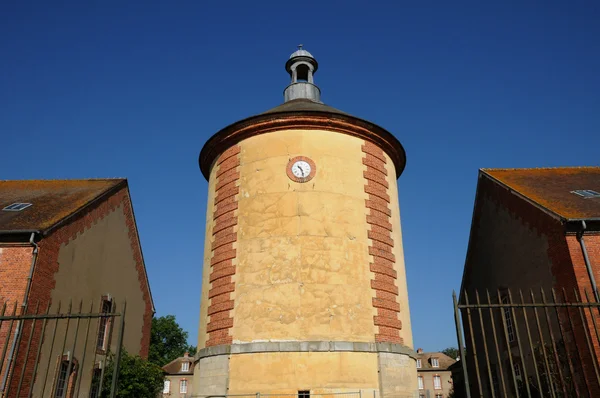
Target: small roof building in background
<point>178,377</point>
<point>62,242</point>
<point>532,229</point>
<point>434,374</point>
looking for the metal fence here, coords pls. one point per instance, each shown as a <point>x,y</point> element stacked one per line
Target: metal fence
<point>59,352</point>
<point>532,344</point>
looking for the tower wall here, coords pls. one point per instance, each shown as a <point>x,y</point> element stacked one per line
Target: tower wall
<point>298,295</point>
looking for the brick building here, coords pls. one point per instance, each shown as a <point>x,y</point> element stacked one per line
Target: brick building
<point>434,375</point>
<point>62,241</point>
<point>178,377</point>
<point>533,229</point>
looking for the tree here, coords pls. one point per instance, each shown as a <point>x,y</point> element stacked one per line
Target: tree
<point>168,341</point>
<point>138,378</point>
<point>452,352</point>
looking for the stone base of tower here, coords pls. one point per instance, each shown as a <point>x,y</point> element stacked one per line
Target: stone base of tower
<point>374,369</point>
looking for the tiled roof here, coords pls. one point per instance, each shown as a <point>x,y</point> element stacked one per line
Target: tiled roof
<point>444,361</point>
<point>174,367</point>
<point>51,201</point>
<point>550,188</point>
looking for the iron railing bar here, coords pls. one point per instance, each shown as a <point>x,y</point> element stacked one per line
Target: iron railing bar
<point>62,350</point>
<point>114,388</point>
<point>543,345</point>
<point>474,348</point>
<point>553,340</point>
<point>489,299</point>
<point>587,297</point>
<point>485,349</point>
<point>113,309</point>
<point>37,308</point>
<point>58,316</point>
<point>82,365</point>
<point>572,329</point>
<point>39,350</point>
<point>10,328</point>
<point>535,367</point>
<point>51,349</point>
<point>586,331</point>
<point>519,345</point>
<point>528,305</point>
<point>564,340</point>
<point>70,364</point>
<point>508,347</point>
<point>461,346</point>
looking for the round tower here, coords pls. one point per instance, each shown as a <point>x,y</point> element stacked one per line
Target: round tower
<point>304,286</point>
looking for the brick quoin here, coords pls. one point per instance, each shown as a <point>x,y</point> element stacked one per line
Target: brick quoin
<point>385,302</point>
<point>222,247</point>
<point>43,281</point>
<point>567,267</point>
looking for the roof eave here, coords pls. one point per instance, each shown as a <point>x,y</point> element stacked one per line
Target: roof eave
<point>270,122</point>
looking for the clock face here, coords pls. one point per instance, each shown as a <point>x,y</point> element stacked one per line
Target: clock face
<point>301,169</point>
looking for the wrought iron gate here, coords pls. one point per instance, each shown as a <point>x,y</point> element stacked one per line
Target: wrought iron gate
<point>60,352</point>
<point>535,344</point>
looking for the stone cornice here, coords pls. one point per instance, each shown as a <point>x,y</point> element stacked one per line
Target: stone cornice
<point>305,346</point>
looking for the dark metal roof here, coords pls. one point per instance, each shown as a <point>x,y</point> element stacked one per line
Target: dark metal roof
<point>287,113</point>
<point>550,188</point>
<point>52,201</point>
<point>304,105</point>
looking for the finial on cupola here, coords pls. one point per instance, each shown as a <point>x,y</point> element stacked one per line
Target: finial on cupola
<point>302,66</point>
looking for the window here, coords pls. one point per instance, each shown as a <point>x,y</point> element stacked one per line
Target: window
<point>439,396</point>
<point>509,321</point>
<point>185,366</point>
<point>96,377</point>
<point>437,382</point>
<point>421,386</point>
<point>517,367</point>
<point>61,382</point>
<point>104,326</point>
<point>586,193</point>
<point>183,386</point>
<point>435,363</point>
<point>304,394</point>
<point>167,387</point>
<point>17,206</point>
<point>421,395</point>
<point>418,364</point>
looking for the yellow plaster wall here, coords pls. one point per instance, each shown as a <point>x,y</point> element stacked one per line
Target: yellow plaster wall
<point>288,372</point>
<point>210,205</point>
<point>398,250</point>
<point>303,270</point>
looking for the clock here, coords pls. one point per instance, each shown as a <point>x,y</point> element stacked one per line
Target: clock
<point>301,169</point>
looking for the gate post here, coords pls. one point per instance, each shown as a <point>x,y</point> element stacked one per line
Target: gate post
<point>461,346</point>
<point>115,379</point>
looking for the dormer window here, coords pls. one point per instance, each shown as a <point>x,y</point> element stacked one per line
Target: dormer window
<point>17,206</point>
<point>586,193</point>
<point>185,366</point>
<point>418,364</point>
<point>435,363</point>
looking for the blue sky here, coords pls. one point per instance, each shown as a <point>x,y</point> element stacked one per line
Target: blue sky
<point>133,89</point>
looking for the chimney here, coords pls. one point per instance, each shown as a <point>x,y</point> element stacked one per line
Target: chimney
<point>186,355</point>
<point>419,350</point>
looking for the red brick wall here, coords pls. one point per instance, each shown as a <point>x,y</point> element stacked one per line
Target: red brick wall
<point>223,251</point>
<point>15,263</point>
<point>47,266</point>
<point>564,261</point>
<point>380,227</point>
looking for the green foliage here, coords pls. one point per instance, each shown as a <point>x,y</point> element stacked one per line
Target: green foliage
<point>138,378</point>
<point>168,341</point>
<point>452,352</point>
